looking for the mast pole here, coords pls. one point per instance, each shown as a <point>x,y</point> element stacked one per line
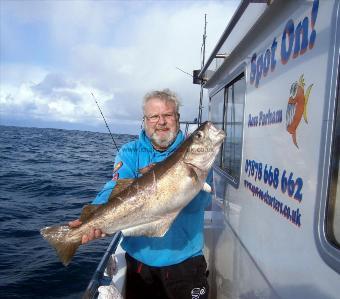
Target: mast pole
<point>199,119</point>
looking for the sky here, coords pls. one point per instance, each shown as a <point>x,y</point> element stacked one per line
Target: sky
<point>54,54</point>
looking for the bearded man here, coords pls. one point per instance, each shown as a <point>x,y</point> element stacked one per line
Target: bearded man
<point>172,266</point>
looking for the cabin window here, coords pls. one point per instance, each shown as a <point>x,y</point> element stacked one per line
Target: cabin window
<point>333,219</point>
<point>233,126</point>
<point>216,114</point>
<point>226,112</point>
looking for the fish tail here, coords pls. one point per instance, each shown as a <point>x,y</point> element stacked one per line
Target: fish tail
<point>306,102</point>
<point>294,139</point>
<point>57,237</point>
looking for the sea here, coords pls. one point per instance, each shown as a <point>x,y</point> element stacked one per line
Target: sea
<point>46,177</point>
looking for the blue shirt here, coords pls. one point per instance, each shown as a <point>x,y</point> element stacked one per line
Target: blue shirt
<point>184,239</point>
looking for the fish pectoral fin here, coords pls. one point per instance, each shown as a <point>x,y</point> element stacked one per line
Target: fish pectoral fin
<point>207,188</point>
<point>121,185</point>
<point>156,228</point>
<point>87,212</point>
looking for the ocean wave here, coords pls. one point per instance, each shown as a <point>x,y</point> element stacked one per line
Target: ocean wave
<point>47,175</point>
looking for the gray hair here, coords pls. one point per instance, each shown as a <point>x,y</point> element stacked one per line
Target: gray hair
<point>165,95</point>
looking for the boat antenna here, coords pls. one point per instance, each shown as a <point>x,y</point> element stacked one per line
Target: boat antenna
<point>199,119</point>
<point>105,121</point>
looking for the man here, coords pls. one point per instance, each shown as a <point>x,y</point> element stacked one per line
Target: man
<point>172,266</point>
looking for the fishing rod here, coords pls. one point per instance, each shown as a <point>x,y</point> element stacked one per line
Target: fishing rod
<point>183,71</point>
<point>105,121</point>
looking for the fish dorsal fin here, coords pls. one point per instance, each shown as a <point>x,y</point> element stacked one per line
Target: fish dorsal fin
<point>147,168</point>
<point>87,212</point>
<point>121,185</point>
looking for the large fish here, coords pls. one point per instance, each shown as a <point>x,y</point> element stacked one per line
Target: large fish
<point>146,206</point>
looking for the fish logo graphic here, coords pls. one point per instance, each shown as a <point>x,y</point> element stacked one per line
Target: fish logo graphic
<point>297,106</point>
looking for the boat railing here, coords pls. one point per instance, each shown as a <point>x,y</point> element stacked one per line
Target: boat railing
<point>92,288</point>
<point>186,125</point>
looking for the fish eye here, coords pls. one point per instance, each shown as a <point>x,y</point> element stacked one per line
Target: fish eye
<point>293,90</point>
<point>199,135</point>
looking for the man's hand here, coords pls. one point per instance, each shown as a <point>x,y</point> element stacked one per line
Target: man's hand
<point>93,234</point>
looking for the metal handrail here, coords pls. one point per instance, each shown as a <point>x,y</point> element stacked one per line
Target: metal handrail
<point>187,123</point>
<point>92,289</point>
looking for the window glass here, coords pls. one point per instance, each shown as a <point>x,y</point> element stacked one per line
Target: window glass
<point>233,125</point>
<point>216,109</point>
<point>216,114</point>
<point>333,215</point>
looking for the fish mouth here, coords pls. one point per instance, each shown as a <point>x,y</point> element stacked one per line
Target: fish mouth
<point>211,126</point>
<point>217,133</point>
<point>221,134</point>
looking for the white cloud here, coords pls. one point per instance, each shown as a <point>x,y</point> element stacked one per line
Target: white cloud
<point>117,58</point>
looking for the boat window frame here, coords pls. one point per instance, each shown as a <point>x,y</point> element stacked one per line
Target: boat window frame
<point>333,201</point>
<point>326,248</point>
<point>236,75</point>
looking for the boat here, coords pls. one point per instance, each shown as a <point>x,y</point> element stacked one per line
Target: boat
<point>273,229</point>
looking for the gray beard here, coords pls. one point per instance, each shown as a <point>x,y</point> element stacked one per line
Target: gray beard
<point>163,142</point>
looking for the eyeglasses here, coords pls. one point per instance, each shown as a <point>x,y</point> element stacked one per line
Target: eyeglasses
<point>155,118</point>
